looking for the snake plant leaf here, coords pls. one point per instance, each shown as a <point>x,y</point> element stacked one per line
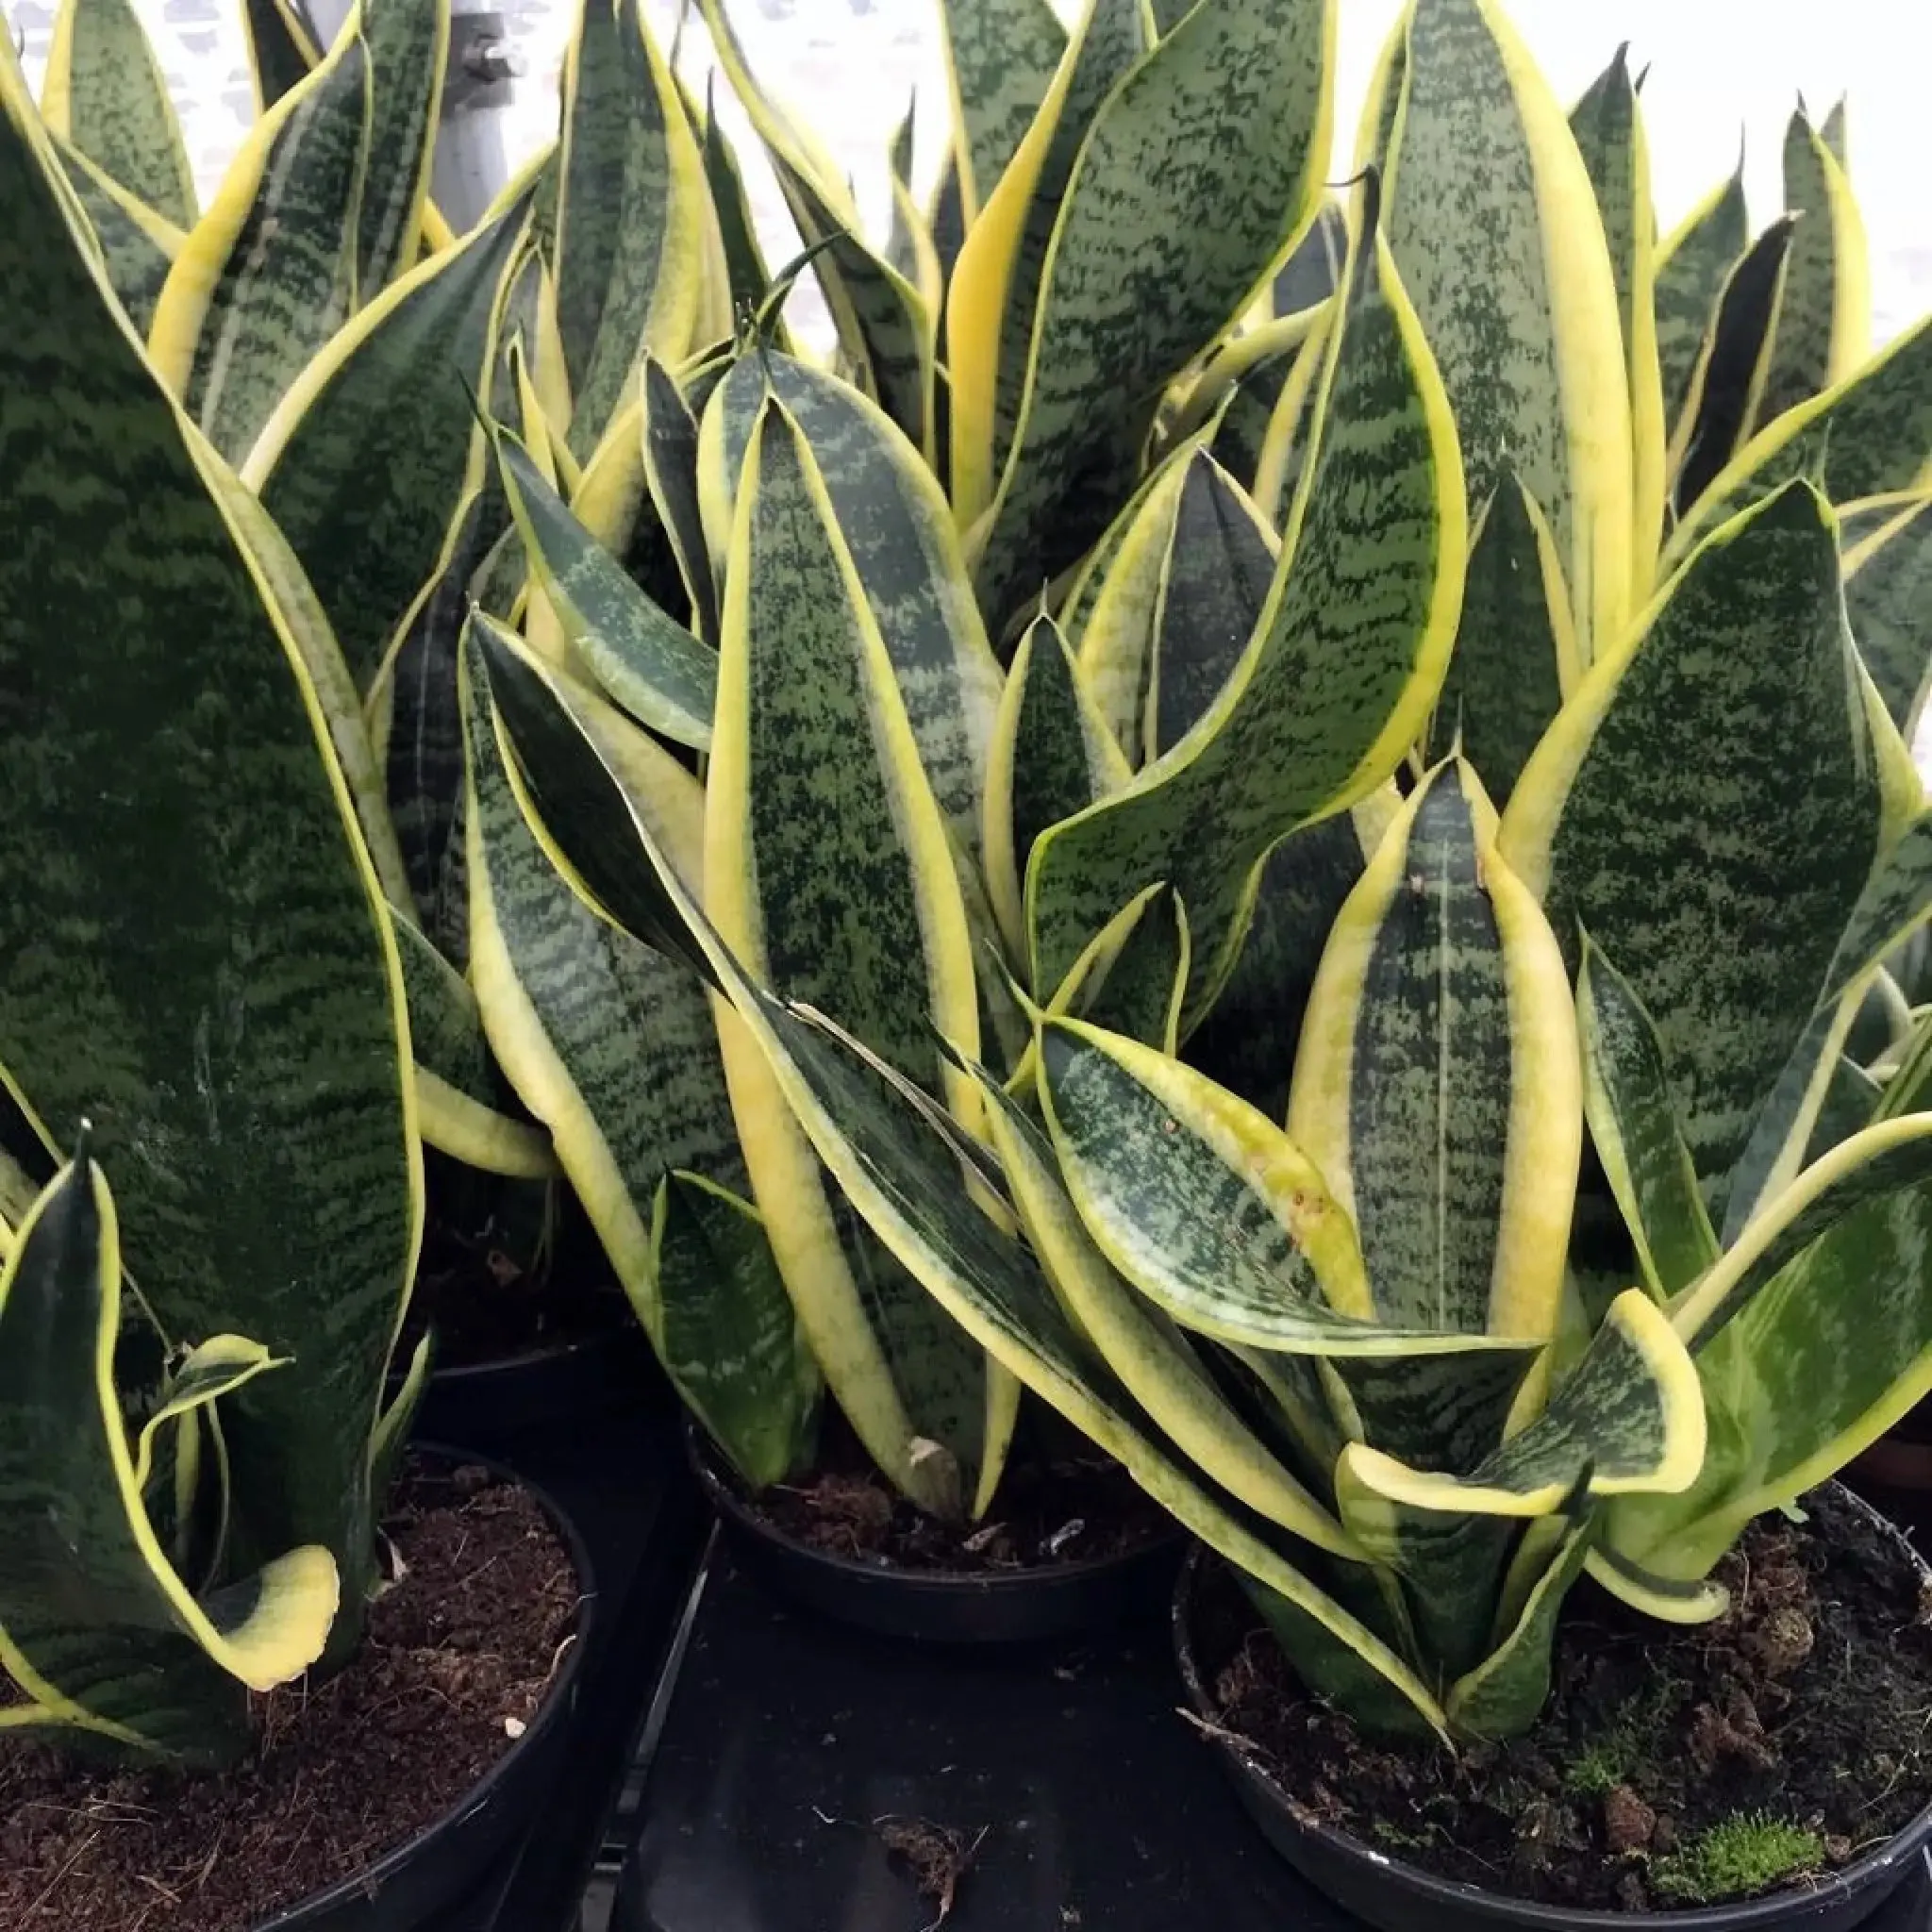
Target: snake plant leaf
<point>671,473</point>
<point>1436,1089</point>
<point>1632,801</point>
<point>464,1105</point>
<point>1313,272</point>
<point>1853,1098</point>
<point>1494,224</point>
<point>105,92</point>
<point>1608,125</point>
<point>631,218</point>
<point>1633,1127</point>
<point>882,322</point>
<point>269,273</point>
<point>1824,322</point>
<point>97,1630</point>
<point>138,246</point>
<point>1895,902</point>
<point>193,1001</point>
<point>616,502</point>
<point>718,1291</point>
<point>1502,1695</point>
<point>1333,686</point>
<point>1214,584</point>
<point>1001,57</point>
<point>1627,1419</point>
<point>1141,990</point>
<point>995,291</point>
<point>1153,1360</point>
<point>746,276</point>
<point>1239,391</point>
<point>1248,1040</point>
<point>1888,597</point>
<point>1694,262</point>
<point>613,1047</point>
<point>1208,155</point>
<point>1869,436</point>
<point>1907,1089</point>
<point>910,248</point>
<point>1051,755</point>
<point>894,520</point>
<point>281,49</point>
<point>827,868</point>
<point>1727,381</point>
<point>649,663</point>
<point>1289,432</point>
<point>365,463</point>
<point>1670,1600</point>
<point>1516,657</point>
<point>1833,1346</point>
<point>409,51</point>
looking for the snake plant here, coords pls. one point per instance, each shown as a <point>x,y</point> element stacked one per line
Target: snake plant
<point>1232,845</point>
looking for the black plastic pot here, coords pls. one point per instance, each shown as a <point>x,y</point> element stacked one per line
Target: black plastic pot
<point>409,1888</point>
<point>1391,1896</point>
<point>1020,1606</point>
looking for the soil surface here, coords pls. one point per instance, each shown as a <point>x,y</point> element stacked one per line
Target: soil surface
<point>1052,1509</point>
<point>461,1651</point>
<point>1807,1709</point>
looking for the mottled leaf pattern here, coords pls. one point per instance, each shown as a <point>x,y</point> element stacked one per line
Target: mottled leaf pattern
<point>1694,262</point>
<point>1000,57</point>
<point>409,49</point>
<point>1889,599</point>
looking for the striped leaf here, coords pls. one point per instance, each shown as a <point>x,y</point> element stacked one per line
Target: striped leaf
<point>746,276</point>
<point>894,520</point>
<point>1694,262</point>
<point>270,271</point>
<point>1895,901</point>
<point>613,1047</point>
<point>909,247</point>
<point>827,868</point>
<point>281,49</point>
<point>1289,433</point>
<point>630,216</point>
<point>98,1631</point>
<point>1193,181</point>
<point>199,956</point>
<point>408,50</point>
<point>1608,125</point>
<point>883,326</point>
<point>1051,757</point>
<point>1668,781</point>
<point>1244,384</point>
<point>1633,1127</point>
<point>1436,1088</point>
<point>1727,380</point>
<point>1313,272</point>
<point>1869,436</point>
<point>1493,226</point>
<point>365,463</point>
<point>995,291</point>
<point>1814,1335</point>
<point>1516,655</point>
<point>1247,1042</point>
<point>650,664</point>
<point>138,246</point>
<point>1333,686</point>
<point>1001,57</point>
<point>1889,599</point>
<point>670,472</point>
<point>105,92</point>
<point>1824,323</point>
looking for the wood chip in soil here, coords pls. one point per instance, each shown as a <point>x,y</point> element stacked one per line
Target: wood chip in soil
<point>459,1653</point>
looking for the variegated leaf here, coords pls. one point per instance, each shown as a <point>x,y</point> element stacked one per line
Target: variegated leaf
<point>138,246</point>
<point>1694,262</point>
<point>409,49</point>
<point>1000,56</point>
<point>1889,599</point>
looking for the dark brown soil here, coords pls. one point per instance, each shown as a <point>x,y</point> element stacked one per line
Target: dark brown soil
<point>1808,1704</point>
<point>1050,1510</point>
<point>461,1651</point>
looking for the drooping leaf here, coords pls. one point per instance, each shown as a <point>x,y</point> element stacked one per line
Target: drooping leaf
<point>1516,655</point>
<point>365,463</point>
<point>1492,222</point>
<point>408,50</point>
<point>269,273</point>
<point>138,246</point>
<point>99,1631</point>
<point>1333,686</point>
<point>105,92</point>
<point>827,867</point>
<point>1207,211</point>
<point>1635,800</point>
<point>1694,262</point>
<point>1889,599</point>
<point>999,61</point>
<point>1435,1087</point>
<point>199,958</point>
<point>1824,322</point>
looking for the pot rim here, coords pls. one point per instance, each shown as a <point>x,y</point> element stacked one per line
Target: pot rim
<point>1760,1914</point>
<point>559,1699</point>
<point>723,1488</point>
